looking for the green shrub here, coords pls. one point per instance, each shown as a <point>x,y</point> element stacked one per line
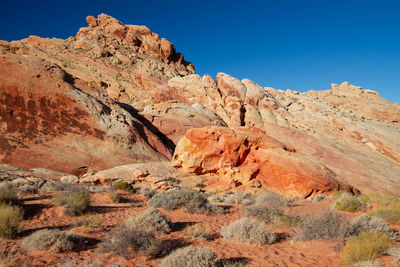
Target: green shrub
<point>328,224</point>
<point>248,230</point>
<point>383,199</point>
<point>150,220</point>
<point>124,186</point>
<point>50,239</point>
<point>10,218</point>
<point>389,213</point>
<point>364,223</point>
<point>198,231</point>
<point>191,256</point>
<point>76,200</point>
<point>125,241</point>
<point>7,194</point>
<point>347,202</point>
<point>113,196</point>
<point>364,247</point>
<point>191,201</point>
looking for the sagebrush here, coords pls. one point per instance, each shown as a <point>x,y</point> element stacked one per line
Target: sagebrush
<point>191,256</point>
<point>50,239</point>
<point>246,230</point>
<point>150,220</point>
<point>191,201</point>
<point>76,200</point>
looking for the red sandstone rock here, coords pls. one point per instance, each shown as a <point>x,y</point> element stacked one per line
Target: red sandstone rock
<point>249,157</point>
<point>47,122</point>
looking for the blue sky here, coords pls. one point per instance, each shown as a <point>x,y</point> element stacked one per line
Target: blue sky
<point>300,45</point>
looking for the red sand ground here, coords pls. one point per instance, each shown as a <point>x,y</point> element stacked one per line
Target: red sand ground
<point>41,213</point>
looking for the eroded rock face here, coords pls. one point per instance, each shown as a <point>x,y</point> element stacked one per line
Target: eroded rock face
<point>48,122</point>
<point>248,157</point>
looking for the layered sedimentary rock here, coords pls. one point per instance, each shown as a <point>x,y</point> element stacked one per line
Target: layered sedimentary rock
<point>119,94</point>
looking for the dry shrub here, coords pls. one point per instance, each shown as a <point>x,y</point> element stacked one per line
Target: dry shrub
<point>198,231</point>
<point>234,262</point>
<point>390,213</point>
<point>8,258</point>
<point>126,241</point>
<point>348,202</point>
<point>364,223</point>
<point>113,196</point>
<point>50,239</point>
<point>374,263</point>
<point>191,201</point>
<point>150,220</point>
<point>365,247</point>
<point>146,191</point>
<point>232,198</point>
<point>89,221</point>
<point>272,200</point>
<point>7,194</point>
<point>191,256</point>
<point>10,218</point>
<point>76,200</point>
<point>246,230</point>
<point>326,225</point>
<point>271,216</point>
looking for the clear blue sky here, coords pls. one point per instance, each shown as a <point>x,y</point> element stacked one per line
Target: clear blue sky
<point>296,44</point>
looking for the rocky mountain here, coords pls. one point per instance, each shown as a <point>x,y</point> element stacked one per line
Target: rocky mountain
<point>119,94</point>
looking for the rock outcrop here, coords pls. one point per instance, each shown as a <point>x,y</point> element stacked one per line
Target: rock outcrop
<point>248,156</point>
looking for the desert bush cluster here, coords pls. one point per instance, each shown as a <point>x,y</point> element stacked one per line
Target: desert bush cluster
<point>150,220</point>
<point>350,203</point>
<point>75,200</point>
<point>192,201</point>
<point>191,256</point>
<point>198,231</point>
<point>50,239</point>
<point>11,214</point>
<point>246,230</point>
<point>126,241</point>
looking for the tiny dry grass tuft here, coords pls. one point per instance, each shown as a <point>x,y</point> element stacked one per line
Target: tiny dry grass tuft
<point>76,200</point>
<point>89,221</point>
<point>348,202</point>
<point>191,256</point>
<point>247,230</point>
<point>234,262</point>
<point>124,186</point>
<point>390,213</point>
<point>124,241</point>
<point>10,218</point>
<point>7,194</point>
<point>326,225</point>
<point>113,196</point>
<point>50,239</point>
<point>364,247</point>
<point>198,231</point>
<point>150,220</point>
<point>191,201</point>
<point>374,263</point>
<point>8,258</point>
